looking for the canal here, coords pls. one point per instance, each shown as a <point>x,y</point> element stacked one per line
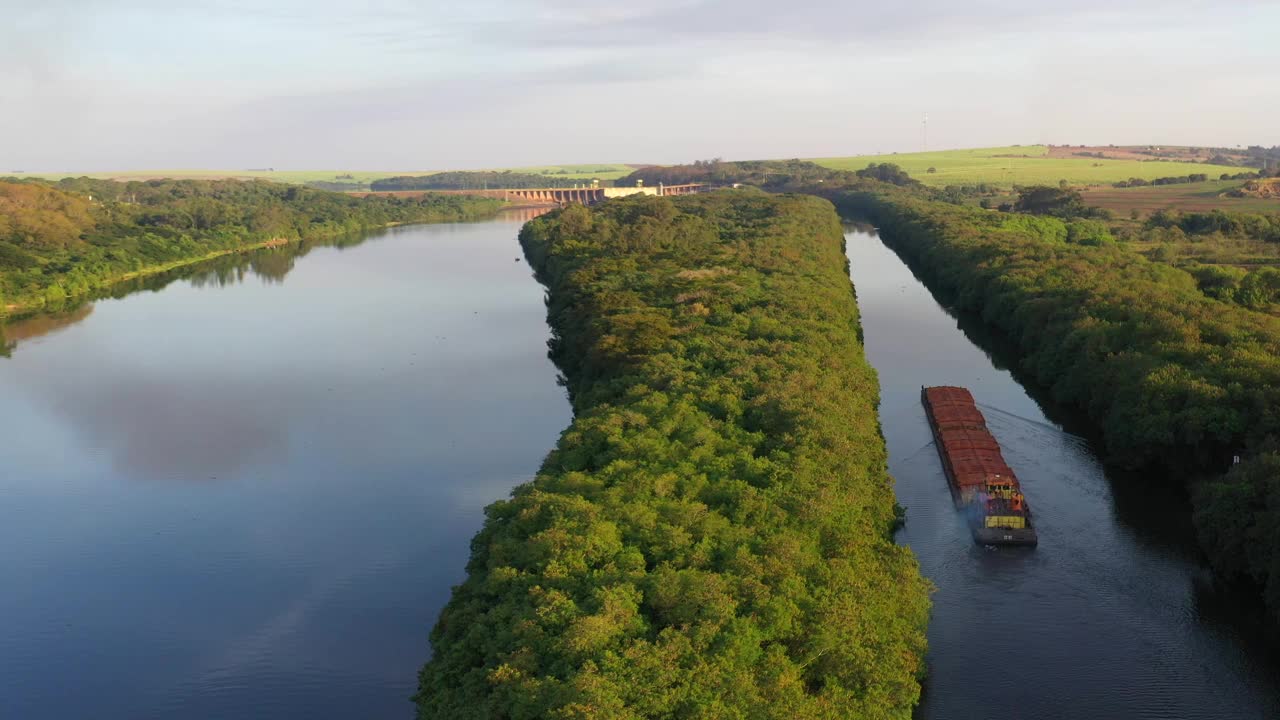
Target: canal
<point>1114,614</point>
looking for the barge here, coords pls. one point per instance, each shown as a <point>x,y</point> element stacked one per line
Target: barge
<point>981,482</point>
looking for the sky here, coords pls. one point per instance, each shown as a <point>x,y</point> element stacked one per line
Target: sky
<point>103,85</point>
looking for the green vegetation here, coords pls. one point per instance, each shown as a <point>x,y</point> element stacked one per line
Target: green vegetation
<point>1059,202</point>
<point>603,171</point>
<point>711,536</point>
<point>1217,224</point>
<point>1238,519</point>
<point>1173,375</point>
<point>1021,165</point>
<point>1206,196</point>
<point>1181,179</point>
<point>887,173</point>
<point>474,181</point>
<point>1165,330</point>
<point>764,173</point>
<point>83,235</point>
<point>360,179</point>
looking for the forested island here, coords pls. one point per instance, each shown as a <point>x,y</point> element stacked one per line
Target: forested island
<point>67,239</point>
<point>711,536</point>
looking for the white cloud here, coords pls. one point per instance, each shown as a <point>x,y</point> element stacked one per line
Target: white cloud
<point>395,84</point>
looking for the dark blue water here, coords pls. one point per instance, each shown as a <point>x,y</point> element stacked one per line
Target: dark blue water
<point>248,495</point>
<point>1114,614</point>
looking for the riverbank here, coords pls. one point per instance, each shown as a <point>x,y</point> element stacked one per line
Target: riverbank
<point>1173,379</point>
<point>16,311</point>
<point>1114,614</point>
<point>81,236</point>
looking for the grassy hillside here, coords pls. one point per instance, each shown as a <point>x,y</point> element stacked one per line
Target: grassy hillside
<point>602,171</point>
<point>1021,165</point>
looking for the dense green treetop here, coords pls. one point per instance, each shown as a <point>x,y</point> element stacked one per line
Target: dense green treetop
<point>710,537</point>
<point>887,173</point>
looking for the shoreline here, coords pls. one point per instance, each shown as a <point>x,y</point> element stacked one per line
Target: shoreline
<point>11,311</point>
<point>20,310</point>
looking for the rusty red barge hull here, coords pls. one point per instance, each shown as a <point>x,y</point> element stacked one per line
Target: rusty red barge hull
<point>981,482</point>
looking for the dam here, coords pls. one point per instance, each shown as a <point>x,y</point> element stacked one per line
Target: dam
<point>586,195</point>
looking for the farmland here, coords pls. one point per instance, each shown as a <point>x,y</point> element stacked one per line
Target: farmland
<point>1021,165</point>
<point>1191,197</point>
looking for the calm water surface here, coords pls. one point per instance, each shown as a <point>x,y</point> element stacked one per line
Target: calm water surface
<point>248,495</point>
<point>1112,616</point>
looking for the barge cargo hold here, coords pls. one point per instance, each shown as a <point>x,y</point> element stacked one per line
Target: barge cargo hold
<point>982,483</point>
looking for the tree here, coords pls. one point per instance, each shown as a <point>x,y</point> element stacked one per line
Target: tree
<point>887,172</point>
<point>1046,200</point>
<point>1089,232</point>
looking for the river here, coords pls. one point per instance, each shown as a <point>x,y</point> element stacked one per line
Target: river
<point>247,493</point>
<point>1113,615</point>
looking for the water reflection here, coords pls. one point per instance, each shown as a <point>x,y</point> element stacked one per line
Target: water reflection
<point>269,265</point>
<point>22,329</point>
<point>525,214</point>
<point>233,497</point>
<point>164,426</point>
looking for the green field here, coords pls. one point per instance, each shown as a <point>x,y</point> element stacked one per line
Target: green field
<point>1021,165</point>
<point>602,171</point>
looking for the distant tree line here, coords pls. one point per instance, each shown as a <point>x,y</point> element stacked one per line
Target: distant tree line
<point>78,235</point>
<point>1174,180</point>
<point>1183,179</point>
<point>760,173</point>
<point>338,185</point>
<point>477,180</point>
<point>711,536</point>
